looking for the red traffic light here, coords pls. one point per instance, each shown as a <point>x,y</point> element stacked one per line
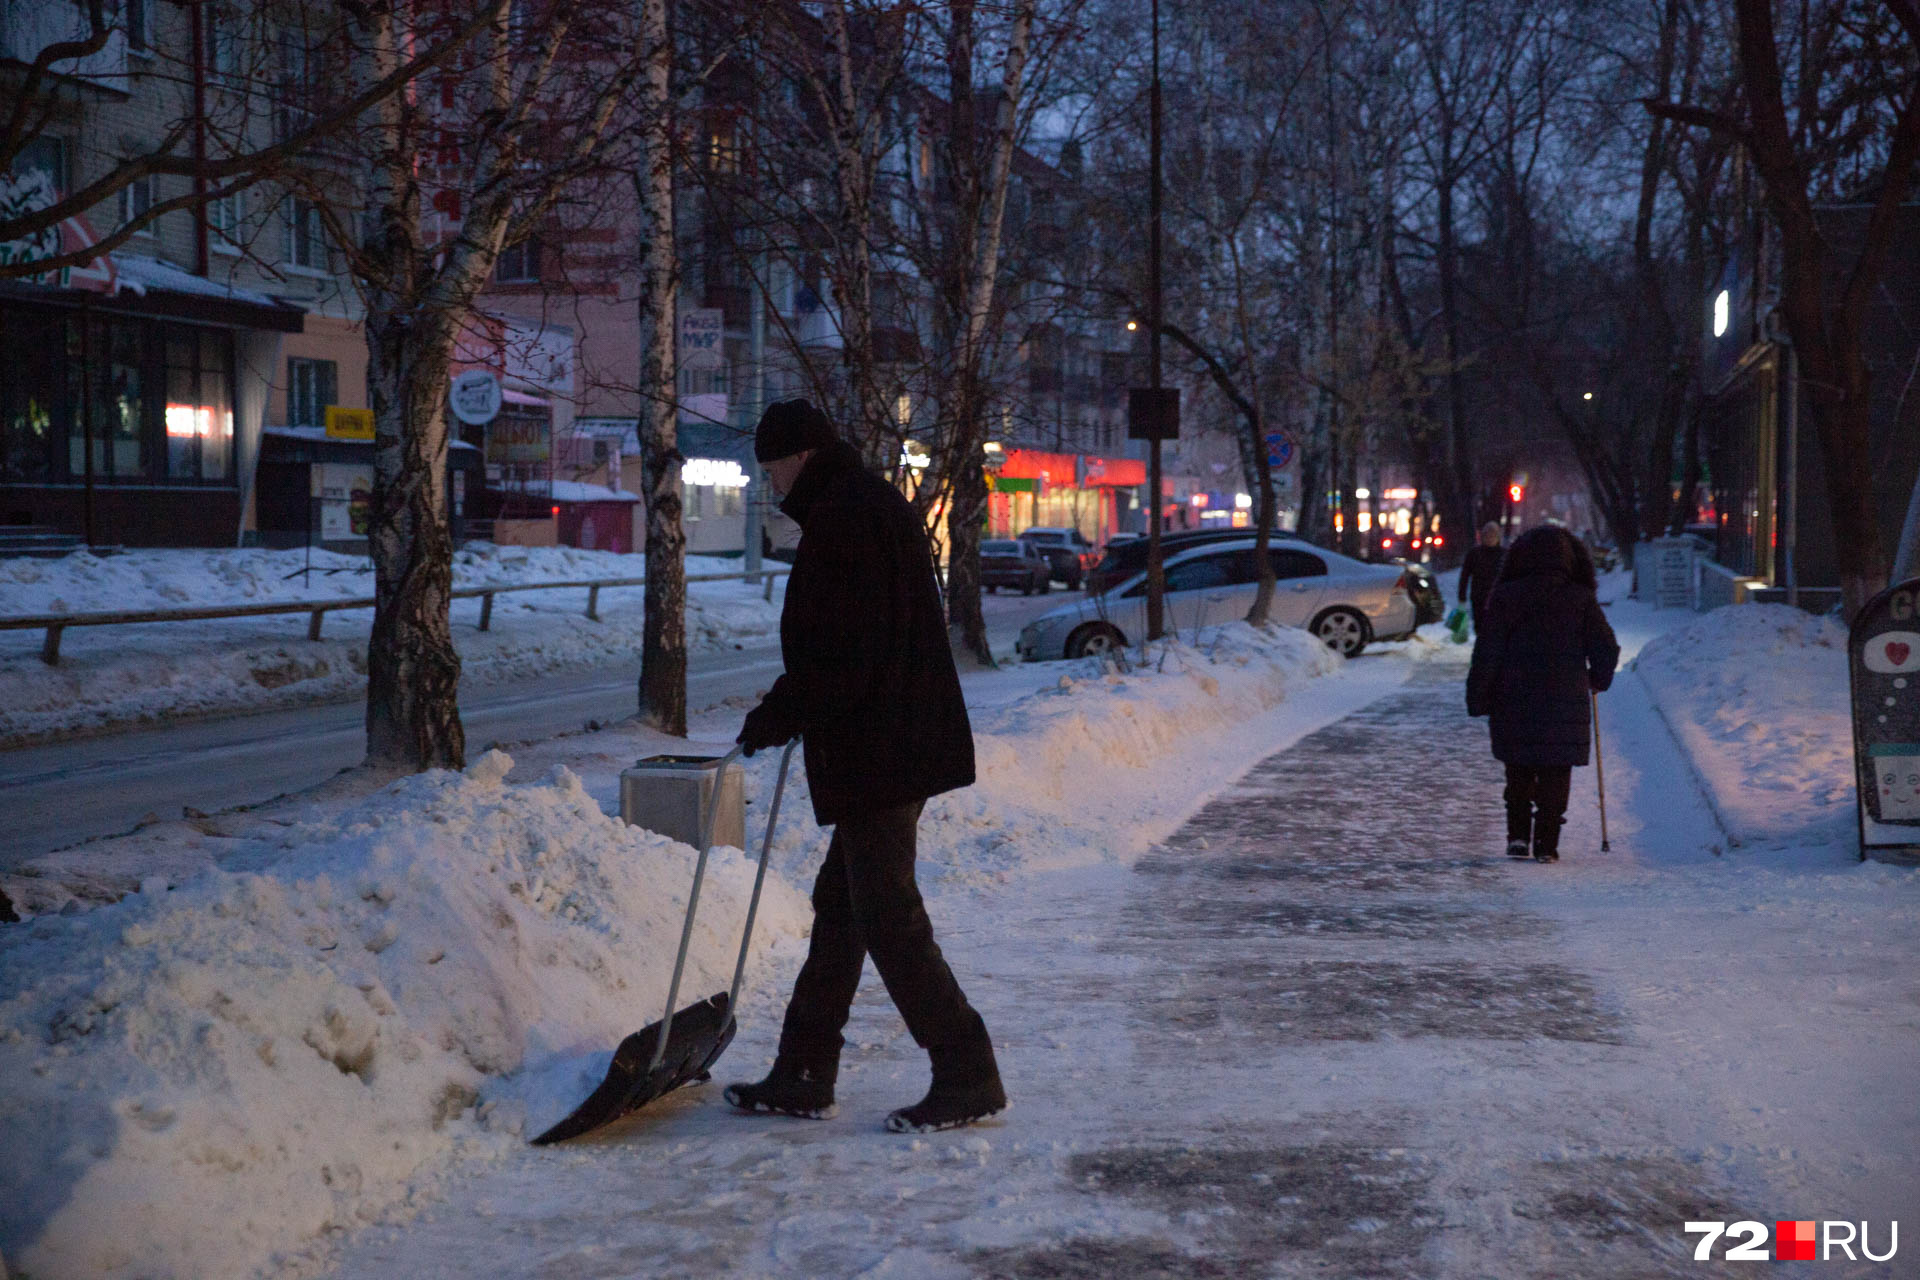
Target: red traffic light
<point>1515,492</point>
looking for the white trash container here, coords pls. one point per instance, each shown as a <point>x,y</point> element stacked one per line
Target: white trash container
<point>673,795</point>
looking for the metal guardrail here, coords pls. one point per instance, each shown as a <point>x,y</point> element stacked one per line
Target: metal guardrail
<point>56,623</point>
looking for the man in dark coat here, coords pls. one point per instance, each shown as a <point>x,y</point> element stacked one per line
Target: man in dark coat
<point>871,690</point>
<point>1546,646</point>
<point>1480,569</point>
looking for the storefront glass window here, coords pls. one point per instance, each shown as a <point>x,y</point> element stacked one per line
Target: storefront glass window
<point>124,422</point>
<point>30,394</point>
<point>199,414</point>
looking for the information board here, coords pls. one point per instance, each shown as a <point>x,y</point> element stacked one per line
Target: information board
<point>1883,662</point>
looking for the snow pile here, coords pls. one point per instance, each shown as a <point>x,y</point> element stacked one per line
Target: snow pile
<point>1757,696</point>
<point>121,675</point>
<point>202,1079</point>
<point>1431,643</point>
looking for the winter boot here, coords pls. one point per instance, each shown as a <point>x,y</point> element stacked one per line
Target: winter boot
<point>1519,831</point>
<point>966,1090</point>
<point>1546,838</point>
<point>789,1090</point>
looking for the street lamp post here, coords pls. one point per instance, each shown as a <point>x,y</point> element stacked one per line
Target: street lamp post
<point>1156,569</point>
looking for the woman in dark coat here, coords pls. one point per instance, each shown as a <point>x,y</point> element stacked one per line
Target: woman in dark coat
<point>1544,644</point>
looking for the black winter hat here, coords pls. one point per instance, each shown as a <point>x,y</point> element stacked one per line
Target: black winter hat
<point>790,426</point>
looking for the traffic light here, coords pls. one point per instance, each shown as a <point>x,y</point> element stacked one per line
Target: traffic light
<point>1515,493</point>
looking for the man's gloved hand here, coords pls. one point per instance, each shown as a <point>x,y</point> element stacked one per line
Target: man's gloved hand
<point>765,727</point>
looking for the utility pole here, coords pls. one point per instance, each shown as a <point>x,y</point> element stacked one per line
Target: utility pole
<point>1156,569</point>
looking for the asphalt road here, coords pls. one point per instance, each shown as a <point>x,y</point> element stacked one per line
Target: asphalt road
<point>64,793</point>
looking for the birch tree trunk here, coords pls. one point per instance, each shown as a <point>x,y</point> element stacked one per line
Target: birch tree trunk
<point>663,652</point>
<point>413,670</point>
<point>981,219</point>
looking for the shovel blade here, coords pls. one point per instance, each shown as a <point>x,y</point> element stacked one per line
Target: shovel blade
<point>701,1033</point>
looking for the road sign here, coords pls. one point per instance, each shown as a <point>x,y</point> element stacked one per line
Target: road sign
<point>702,332</point>
<point>1279,448</point>
<point>1153,413</point>
<point>475,397</point>
<point>1883,652</point>
<point>349,424</point>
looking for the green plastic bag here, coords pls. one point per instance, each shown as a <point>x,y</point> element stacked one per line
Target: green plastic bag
<point>1457,624</point>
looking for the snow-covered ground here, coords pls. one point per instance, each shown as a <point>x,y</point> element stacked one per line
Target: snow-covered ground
<point>310,1005</point>
<point>341,995</point>
<point>142,673</point>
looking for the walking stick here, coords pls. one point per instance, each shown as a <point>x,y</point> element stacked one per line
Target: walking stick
<point>1599,769</point>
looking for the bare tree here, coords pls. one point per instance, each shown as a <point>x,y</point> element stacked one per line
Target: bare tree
<point>979,172</point>
<point>663,645</point>
<point>536,100</point>
<point>221,148</point>
<point>1854,94</point>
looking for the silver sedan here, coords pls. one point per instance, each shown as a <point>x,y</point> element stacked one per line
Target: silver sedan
<point>1345,602</point>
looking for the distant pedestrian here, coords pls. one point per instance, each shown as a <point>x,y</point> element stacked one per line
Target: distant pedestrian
<point>870,687</point>
<point>1480,569</point>
<point>1544,645</point>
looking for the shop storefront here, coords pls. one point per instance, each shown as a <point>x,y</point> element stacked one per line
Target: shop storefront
<point>1093,494</point>
<point>131,415</point>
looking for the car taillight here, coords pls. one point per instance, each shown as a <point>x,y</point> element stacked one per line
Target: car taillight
<point>1406,582</point>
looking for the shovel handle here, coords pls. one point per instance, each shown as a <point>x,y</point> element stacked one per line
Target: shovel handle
<point>693,904</point>
<point>759,879</point>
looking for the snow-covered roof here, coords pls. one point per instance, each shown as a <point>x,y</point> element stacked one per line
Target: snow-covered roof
<point>139,275</point>
<point>320,434</point>
<point>577,491</point>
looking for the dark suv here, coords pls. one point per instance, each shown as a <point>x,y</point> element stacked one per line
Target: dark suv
<point>1125,559</point>
<point>1070,554</point>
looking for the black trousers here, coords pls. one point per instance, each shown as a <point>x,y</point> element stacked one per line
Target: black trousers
<point>866,903</point>
<point>1536,796</point>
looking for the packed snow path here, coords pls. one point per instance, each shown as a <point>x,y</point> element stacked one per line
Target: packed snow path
<point>1318,1032</point>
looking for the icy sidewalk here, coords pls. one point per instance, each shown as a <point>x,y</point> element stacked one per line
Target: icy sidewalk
<point>1323,1029</point>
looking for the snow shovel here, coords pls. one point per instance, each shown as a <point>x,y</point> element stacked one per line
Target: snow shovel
<point>682,1047</point>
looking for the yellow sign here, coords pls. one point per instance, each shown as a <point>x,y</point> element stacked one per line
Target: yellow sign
<point>349,424</point>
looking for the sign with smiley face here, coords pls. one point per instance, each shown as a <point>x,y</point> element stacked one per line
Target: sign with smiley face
<point>1883,658</point>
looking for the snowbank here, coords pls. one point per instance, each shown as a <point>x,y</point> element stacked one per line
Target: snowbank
<point>201,1079</point>
<point>131,674</point>
<point>1065,770</point>
<point>1757,696</point>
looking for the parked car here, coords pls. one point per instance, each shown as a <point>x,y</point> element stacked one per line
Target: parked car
<point>1124,559</point>
<point>1010,563</point>
<point>1341,600</point>
<point>1070,554</point>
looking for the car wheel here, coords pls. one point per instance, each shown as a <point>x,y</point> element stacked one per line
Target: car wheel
<point>1027,590</point>
<point>1095,638</point>
<point>1342,630</point>
<point>1044,585</point>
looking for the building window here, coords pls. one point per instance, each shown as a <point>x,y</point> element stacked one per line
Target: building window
<point>224,216</point>
<point>312,385</point>
<point>199,413</point>
<point>139,26</point>
<point>518,263</point>
<point>223,45</point>
<point>294,110</point>
<point>106,386</point>
<point>306,236</point>
<point>136,200</point>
